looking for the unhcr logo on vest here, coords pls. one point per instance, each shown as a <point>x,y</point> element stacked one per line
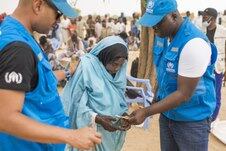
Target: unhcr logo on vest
<point>170,67</point>
<point>13,77</point>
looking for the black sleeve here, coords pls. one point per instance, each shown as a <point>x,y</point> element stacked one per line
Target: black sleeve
<point>18,67</point>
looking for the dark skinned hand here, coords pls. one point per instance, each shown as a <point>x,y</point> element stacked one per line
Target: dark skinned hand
<point>112,124</point>
<point>106,122</point>
<point>137,117</point>
<point>122,122</point>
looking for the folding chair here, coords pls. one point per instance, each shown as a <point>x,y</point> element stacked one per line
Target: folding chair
<point>144,95</point>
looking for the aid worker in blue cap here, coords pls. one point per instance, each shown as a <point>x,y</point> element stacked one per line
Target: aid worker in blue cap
<point>184,60</point>
<point>31,113</point>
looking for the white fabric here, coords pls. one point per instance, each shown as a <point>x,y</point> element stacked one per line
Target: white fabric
<point>194,58</point>
<point>55,44</point>
<point>81,27</point>
<point>98,27</point>
<point>198,22</point>
<point>219,40</point>
<point>93,122</point>
<point>80,44</point>
<point>116,28</point>
<point>218,129</point>
<point>64,25</point>
<point>111,25</point>
<point>122,27</point>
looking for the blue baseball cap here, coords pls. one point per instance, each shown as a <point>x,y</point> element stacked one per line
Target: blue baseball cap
<point>65,8</point>
<point>156,10</point>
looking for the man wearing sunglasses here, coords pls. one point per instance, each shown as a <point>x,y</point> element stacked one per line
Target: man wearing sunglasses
<point>31,113</point>
<point>184,60</point>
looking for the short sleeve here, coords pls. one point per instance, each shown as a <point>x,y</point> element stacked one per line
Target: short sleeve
<point>17,67</point>
<point>194,58</point>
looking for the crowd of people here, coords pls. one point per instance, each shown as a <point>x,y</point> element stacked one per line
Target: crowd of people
<point>78,36</point>
<point>92,112</point>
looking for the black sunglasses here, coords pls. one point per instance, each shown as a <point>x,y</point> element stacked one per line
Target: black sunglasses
<point>157,26</point>
<point>50,4</point>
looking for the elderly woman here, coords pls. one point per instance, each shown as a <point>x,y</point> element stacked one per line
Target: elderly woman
<point>95,94</point>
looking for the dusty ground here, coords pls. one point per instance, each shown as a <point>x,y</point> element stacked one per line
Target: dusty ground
<point>139,139</point>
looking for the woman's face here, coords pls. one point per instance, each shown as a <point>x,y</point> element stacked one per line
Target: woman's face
<point>114,66</point>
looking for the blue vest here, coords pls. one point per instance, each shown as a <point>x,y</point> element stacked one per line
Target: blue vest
<point>43,104</point>
<point>202,103</point>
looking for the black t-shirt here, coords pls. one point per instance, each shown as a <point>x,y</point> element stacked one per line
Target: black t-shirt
<point>210,34</point>
<point>18,67</point>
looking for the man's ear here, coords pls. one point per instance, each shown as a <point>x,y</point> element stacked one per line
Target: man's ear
<point>36,6</point>
<point>174,16</point>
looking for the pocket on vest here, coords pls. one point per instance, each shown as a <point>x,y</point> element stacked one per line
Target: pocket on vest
<point>50,78</point>
<point>157,54</point>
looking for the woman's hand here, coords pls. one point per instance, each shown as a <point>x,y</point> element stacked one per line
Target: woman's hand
<point>112,124</point>
<point>106,122</point>
<point>124,122</point>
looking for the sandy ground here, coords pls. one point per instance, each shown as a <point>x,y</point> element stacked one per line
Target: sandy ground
<point>138,139</point>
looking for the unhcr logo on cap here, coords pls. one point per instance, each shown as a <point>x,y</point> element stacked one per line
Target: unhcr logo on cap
<point>156,10</point>
<point>150,6</point>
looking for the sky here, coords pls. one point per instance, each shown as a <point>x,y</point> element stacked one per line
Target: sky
<point>115,7</point>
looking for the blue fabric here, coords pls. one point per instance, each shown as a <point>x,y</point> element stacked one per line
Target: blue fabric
<point>43,104</point>
<point>64,7</point>
<point>93,90</point>
<point>219,80</point>
<point>134,30</point>
<point>184,136</point>
<point>156,10</point>
<point>203,101</point>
